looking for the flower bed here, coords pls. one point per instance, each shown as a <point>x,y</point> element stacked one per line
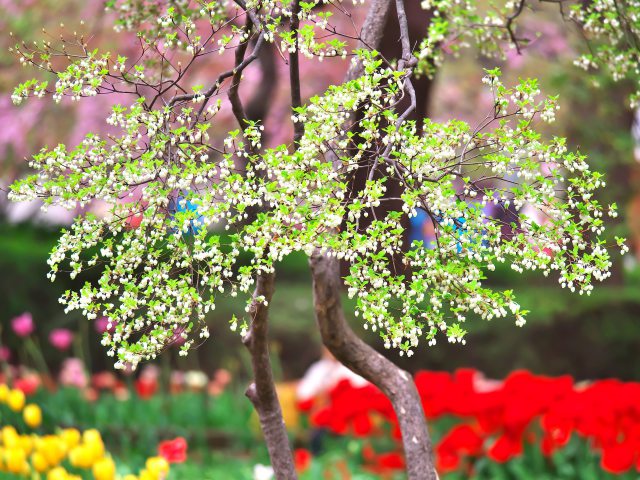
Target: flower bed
<point>28,451</point>
<point>525,427</point>
<point>499,420</point>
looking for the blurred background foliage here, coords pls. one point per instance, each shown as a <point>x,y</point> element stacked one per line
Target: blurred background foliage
<point>587,337</point>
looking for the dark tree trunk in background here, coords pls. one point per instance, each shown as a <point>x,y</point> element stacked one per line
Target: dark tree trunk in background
<point>391,49</point>
<point>261,101</point>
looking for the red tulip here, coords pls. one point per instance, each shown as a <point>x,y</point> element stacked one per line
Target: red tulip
<point>173,451</point>
<point>447,461</point>
<point>362,425</point>
<point>388,461</point>
<point>28,384</point>
<point>606,413</point>
<point>306,405</point>
<point>302,459</point>
<point>505,448</point>
<point>617,458</point>
<point>462,439</point>
<point>146,388</point>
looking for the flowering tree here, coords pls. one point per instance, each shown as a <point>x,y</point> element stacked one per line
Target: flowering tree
<point>167,183</point>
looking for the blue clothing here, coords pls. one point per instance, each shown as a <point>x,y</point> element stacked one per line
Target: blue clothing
<point>180,206</point>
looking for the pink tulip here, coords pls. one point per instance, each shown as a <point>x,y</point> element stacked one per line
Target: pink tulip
<point>61,338</point>
<point>23,325</point>
<point>5,354</point>
<point>73,373</point>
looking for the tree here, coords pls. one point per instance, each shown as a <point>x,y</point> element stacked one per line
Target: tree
<point>166,182</point>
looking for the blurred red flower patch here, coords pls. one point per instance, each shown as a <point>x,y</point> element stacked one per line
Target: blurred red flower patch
<point>173,451</point>
<point>29,384</point>
<point>146,387</point>
<point>495,418</point>
<point>302,459</point>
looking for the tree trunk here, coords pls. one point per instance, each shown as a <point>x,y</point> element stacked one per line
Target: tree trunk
<point>262,392</point>
<point>338,336</point>
<point>362,359</point>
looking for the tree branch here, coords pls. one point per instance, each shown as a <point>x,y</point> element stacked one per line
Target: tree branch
<point>234,90</point>
<point>294,71</point>
<point>262,392</point>
<point>409,61</point>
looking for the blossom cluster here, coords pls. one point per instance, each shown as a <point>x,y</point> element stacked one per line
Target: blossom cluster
<point>459,24</point>
<point>166,185</point>
<point>611,28</point>
<point>614,30</point>
<point>497,418</point>
<point>177,24</point>
<point>438,169</point>
<point>159,20</point>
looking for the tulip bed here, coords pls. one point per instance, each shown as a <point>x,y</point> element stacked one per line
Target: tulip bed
<point>526,426</point>
<point>27,451</point>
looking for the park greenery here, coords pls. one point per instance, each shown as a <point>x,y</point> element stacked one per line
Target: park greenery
<point>340,191</point>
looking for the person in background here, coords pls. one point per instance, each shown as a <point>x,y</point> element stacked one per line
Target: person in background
<point>312,391</point>
<point>422,229</point>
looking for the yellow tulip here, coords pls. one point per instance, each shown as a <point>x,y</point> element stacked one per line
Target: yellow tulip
<point>146,475</point>
<point>92,435</point>
<point>39,462</point>
<point>16,400</point>
<point>158,467</point>
<point>25,442</point>
<point>96,450</point>
<point>81,457</point>
<point>89,451</point>
<point>10,437</point>
<point>57,473</point>
<point>32,415</point>
<point>130,476</point>
<point>104,469</point>
<point>53,448</point>
<point>16,460</point>
<point>4,392</point>
<point>71,437</point>
<point>38,441</point>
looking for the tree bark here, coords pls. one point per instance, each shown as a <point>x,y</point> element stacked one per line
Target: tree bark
<point>262,392</point>
<point>362,359</point>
